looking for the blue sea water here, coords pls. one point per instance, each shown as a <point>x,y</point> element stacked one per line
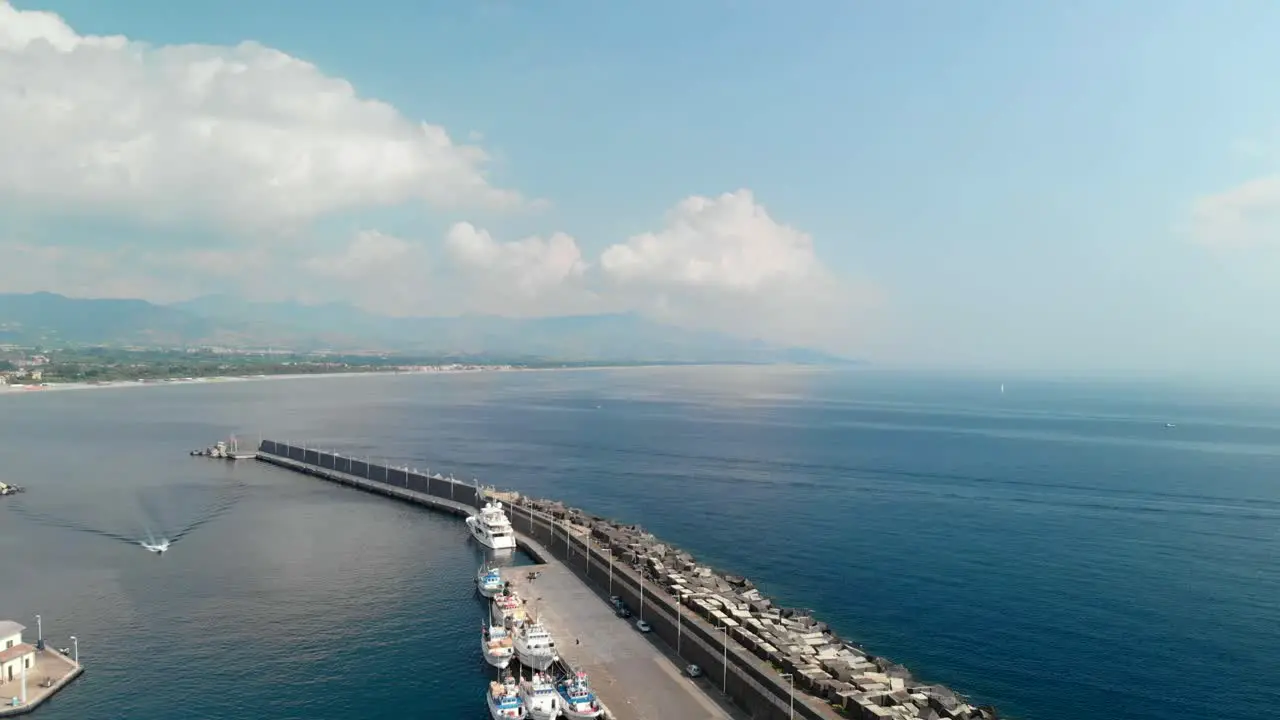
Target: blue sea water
<point>1054,550</point>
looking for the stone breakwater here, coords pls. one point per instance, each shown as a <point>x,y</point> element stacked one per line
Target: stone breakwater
<point>775,662</point>
<point>792,641</point>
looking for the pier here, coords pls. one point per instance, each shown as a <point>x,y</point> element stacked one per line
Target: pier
<point>31,674</point>
<point>772,662</point>
<point>633,676</point>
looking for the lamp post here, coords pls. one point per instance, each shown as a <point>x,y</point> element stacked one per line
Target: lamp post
<point>724,686</point>
<point>791,694</point>
<point>75,645</point>
<point>642,592</point>
<point>610,571</point>
<point>679,623</point>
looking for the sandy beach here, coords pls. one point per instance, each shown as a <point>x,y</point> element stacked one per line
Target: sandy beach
<point>118,384</point>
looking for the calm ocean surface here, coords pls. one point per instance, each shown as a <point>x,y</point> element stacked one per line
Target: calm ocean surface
<point>1054,550</point>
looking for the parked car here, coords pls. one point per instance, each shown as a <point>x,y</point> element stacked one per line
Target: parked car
<point>643,626</point>
<point>693,671</point>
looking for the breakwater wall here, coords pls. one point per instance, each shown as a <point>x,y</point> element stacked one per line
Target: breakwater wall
<point>775,663</point>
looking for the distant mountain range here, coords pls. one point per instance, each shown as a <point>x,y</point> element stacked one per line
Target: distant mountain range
<point>51,319</point>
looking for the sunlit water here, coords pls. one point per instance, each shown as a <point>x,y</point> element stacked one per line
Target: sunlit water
<point>1055,550</point>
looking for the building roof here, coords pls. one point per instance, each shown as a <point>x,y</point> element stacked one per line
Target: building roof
<point>9,627</point>
<point>16,651</point>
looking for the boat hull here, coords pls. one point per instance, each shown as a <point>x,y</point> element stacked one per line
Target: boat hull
<point>567,711</point>
<point>536,660</point>
<point>499,661</point>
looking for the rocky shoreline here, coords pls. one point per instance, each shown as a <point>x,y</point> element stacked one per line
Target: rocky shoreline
<point>854,681</point>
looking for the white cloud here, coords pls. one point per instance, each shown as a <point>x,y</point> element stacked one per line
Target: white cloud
<point>371,252</point>
<point>724,263</point>
<point>243,134</point>
<point>1247,215</point>
<point>530,267</point>
<point>727,243</point>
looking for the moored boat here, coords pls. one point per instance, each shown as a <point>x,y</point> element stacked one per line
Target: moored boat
<point>489,581</point>
<point>505,702</point>
<point>540,697</point>
<point>577,701</point>
<point>497,646</point>
<point>491,527</point>
<point>534,646</point>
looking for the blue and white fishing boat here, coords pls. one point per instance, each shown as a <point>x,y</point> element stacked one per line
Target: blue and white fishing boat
<point>489,581</point>
<point>504,700</point>
<point>577,699</point>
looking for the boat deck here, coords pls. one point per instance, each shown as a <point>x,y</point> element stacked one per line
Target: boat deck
<point>630,673</point>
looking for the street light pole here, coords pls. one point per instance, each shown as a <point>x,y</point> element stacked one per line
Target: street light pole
<point>75,644</point>
<point>791,694</point>
<point>642,592</point>
<point>725,662</point>
<point>679,624</point>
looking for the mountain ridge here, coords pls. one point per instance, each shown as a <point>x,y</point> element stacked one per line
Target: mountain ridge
<point>228,321</point>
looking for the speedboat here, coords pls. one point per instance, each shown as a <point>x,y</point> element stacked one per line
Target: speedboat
<point>496,644</point>
<point>491,528</point>
<point>504,700</point>
<point>540,697</point>
<point>576,699</point>
<point>534,646</point>
<point>489,582</point>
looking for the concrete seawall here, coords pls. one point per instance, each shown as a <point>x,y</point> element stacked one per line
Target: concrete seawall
<point>758,686</point>
<point>406,492</point>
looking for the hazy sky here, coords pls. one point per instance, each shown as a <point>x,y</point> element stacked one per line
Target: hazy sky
<point>1090,185</point>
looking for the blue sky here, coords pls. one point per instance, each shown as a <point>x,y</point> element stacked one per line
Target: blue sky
<point>986,185</point>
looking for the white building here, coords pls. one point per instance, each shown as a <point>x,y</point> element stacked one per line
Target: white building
<point>14,654</point>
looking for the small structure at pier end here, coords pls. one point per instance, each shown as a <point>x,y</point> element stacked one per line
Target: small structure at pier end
<point>30,674</point>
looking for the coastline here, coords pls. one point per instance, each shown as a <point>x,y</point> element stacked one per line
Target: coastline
<point>428,370</point>
<point>121,384</point>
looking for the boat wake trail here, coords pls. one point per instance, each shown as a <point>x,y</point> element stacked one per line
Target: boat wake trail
<point>167,514</point>
<point>40,518</point>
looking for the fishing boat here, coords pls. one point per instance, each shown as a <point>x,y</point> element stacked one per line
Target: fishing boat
<point>489,581</point>
<point>504,700</point>
<point>507,610</point>
<point>534,646</point>
<point>540,697</point>
<point>496,644</point>
<point>577,701</point>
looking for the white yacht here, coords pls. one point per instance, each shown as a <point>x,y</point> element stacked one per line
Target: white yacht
<point>534,646</point>
<point>496,644</point>
<point>491,527</point>
<point>577,701</point>
<point>505,702</point>
<point>540,697</point>
<point>489,581</point>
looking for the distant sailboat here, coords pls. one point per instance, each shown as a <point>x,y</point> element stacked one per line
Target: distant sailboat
<point>1001,388</point>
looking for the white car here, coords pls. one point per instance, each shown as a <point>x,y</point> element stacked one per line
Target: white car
<point>643,626</point>
<point>693,671</point>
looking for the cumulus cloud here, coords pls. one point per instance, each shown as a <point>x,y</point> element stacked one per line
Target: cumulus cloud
<point>724,262</point>
<point>530,266</point>
<point>1247,215</point>
<point>727,243</point>
<point>243,134</point>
